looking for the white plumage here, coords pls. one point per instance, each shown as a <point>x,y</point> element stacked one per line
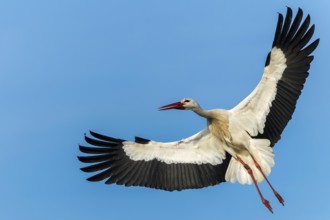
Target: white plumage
<point>201,148</point>
<point>253,110</point>
<point>262,152</point>
<point>236,145</point>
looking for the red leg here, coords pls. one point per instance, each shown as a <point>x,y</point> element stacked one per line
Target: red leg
<point>249,170</point>
<point>278,196</point>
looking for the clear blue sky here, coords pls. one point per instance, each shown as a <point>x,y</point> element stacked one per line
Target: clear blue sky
<point>67,67</point>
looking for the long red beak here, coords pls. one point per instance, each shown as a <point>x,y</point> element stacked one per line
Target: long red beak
<point>175,105</point>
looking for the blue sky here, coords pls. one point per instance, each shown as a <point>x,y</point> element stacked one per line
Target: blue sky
<point>67,67</point>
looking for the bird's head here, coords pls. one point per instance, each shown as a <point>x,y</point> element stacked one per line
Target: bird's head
<point>184,104</point>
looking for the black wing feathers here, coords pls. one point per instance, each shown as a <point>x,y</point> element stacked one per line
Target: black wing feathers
<point>292,40</point>
<point>108,157</point>
<point>294,26</point>
<point>287,22</point>
<point>115,166</point>
<point>278,29</point>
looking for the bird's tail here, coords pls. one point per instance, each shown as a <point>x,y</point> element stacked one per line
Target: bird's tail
<point>262,153</point>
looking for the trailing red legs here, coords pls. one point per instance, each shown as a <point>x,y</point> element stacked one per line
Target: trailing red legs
<point>278,196</point>
<point>249,170</point>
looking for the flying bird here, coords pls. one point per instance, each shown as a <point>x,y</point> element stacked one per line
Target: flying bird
<point>236,145</point>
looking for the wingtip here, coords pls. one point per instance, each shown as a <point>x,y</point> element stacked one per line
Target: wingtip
<point>288,9</point>
<point>81,148</point>
<point>300,13</point>
<point>317,41</point>
<point>94,134</point>
<point>94,179</point>
<point>91,179</point>
<point>280,17</point>
<point>289,14</point>
<point>83,169</point>
<point>80,159</point>
<point>86,169</point>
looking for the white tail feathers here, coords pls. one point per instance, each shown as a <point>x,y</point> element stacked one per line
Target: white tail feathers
<point>262,153</point>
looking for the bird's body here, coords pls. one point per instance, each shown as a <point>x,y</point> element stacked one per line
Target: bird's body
<point>236,145</point>
<point>228,132</point>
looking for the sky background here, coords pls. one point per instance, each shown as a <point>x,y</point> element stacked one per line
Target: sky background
<point>67,67</point>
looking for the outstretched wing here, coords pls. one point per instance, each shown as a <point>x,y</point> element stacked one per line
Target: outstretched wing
<point>267,110</point>
<point>195,162</point>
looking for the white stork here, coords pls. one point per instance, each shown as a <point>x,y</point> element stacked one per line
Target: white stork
<point>236,145</point>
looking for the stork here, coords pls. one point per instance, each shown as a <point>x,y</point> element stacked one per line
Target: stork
<point>237,144</point>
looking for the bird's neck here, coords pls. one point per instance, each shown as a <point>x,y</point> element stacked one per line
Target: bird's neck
<point>203,113</point>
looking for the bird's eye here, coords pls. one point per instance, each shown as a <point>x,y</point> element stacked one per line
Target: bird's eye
<point>187,100</point>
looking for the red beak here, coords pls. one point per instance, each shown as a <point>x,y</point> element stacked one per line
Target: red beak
<point>175,105</point>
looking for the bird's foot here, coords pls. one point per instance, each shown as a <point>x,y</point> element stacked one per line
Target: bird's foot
<point>267,204</point>
<point>279,197</point>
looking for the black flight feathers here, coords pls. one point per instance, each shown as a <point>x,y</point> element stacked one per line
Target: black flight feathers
<point>291,38</point>
<point>109,159</point>
<point>107,155</point>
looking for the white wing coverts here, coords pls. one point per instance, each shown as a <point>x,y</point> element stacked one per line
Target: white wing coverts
<point>267,110</point>
<point>195,162</point>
